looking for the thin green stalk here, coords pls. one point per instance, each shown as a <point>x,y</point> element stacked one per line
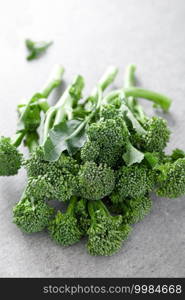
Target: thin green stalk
<point>90,206</point>
<point>53,81</point>
<point>157,98</point>
<point>48,122</point>
<point>32,141</point>
<point>129,80</point>
<point>101,204</point>
<point>107,78</point>
<point>71,206</point>
<point>17,139</point>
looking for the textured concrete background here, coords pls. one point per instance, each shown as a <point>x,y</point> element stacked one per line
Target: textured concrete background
<point>89,35</point>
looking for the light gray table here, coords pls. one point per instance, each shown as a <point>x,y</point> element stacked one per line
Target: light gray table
<point>88,36</point>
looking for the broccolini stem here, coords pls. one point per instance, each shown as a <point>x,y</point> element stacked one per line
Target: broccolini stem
<point>31,141</point>
<point>71,206</point>
<point>17,139</point>
<point>48,122</point>
<point>43,104</point>
<point>103,206</point>
<point>130,76</point>
<point>107,78</point>
<point>158,99</point>
<point>60,106</point>
<point>54,81</point>
<point>65,104</point>
<point>91,210</point>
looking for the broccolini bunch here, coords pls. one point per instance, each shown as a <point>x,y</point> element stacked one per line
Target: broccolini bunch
<point>101,155</point>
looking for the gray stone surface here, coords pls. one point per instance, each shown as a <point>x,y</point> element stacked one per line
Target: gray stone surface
<point>89,35</point>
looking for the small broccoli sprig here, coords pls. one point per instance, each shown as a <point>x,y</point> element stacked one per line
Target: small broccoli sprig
<point>95,182</point>
<point>171,179</point>
<point>36,48</point>
<point>59,179</point>
<point>133,210</point>
<point>32,216</point>
<point>106,141</point>
<point>156,133</point>
<point>134,181</point>
<point>10,157</point>
<point>64,228</point>
<point>106,233</point>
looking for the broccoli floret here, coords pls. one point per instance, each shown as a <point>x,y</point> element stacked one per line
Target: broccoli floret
<point>106,140</point>
<point>134,181</point>
<point>64,228</point>
<point>39,188</point>
<point>81,212</point>
<point>95,182</point>
<point>106,233</point>
<point>109,111</point>
<point>60,176</point>
<point>10,157</point>
<point>32,216</point>
<point>133,210</point>
<point>157,134</point>
<point>171,180</point>
<point>90,151</point>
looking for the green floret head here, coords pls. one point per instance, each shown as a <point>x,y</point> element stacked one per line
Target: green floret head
<point>134,210</point>
<point>36,165</point>
<point>157,135</point>
<point>95,182</point>
<point>133,181</point>
<point>64,187</point>
<point>10,158</point>
<point>67,164</point>
<point>32,216</point>
<point>90,151</point>
<point>106,233</point>
<point>64,228</point>
<point>172,179</point>
<point>109,111</point>
<point>106,140</point>
<point>60,176</point>
<point>38,188</point>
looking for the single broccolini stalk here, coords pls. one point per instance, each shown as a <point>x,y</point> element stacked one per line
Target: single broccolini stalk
<point>32,216</point>
<point>106,233</point>
<point>64,228</point>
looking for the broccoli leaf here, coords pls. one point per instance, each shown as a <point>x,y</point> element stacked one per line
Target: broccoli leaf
<point>36,48</point>
<point>68,136</point>
<point>132,155</point>
<point>129,116</point>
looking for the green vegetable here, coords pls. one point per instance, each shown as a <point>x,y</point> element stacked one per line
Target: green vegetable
<point>28,122</point>
<point>64,229</point>
<point>133,210</point>
<point>134,181</point>
<point>101,155</point>
<point>95,182</point>
<point>32,216</point>
<point>106,233</point>
<point>36,48</point>
<point>171,180</point>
